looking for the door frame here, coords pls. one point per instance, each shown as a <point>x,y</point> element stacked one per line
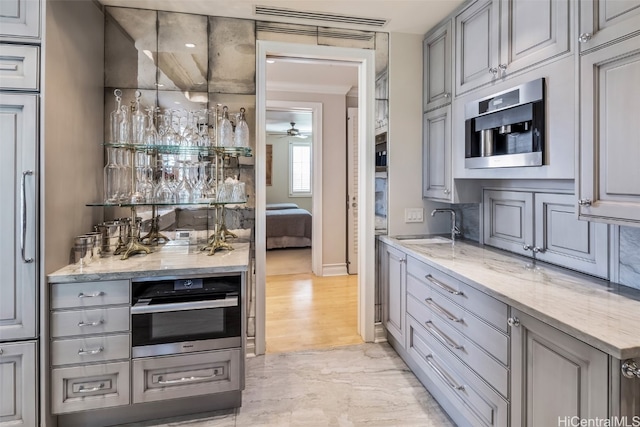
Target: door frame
<point>316,172</point>
<point>365,60</point>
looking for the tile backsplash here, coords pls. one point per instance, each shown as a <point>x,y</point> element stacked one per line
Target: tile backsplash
<point>629,257</point>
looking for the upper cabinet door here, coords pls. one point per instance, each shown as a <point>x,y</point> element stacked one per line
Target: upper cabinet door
<point>477,45</point>
<point>436,154</point>
<point>602,21</point>
<point>533,31</point>
<point>437,67</point>
<point>20,19</point>
<point>609,176</point>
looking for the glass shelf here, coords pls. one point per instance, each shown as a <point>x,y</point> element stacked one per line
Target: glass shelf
<point>129,205</point>
<point>181,149</point>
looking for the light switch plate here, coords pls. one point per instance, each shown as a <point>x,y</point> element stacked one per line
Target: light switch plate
<point>413,215</point>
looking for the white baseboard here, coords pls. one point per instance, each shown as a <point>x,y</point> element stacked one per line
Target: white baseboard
<point>334,270</point>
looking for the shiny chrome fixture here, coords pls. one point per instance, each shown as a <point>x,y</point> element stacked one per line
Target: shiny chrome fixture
<point>455,231</point>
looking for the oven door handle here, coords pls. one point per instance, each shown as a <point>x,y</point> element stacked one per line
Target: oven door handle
<point>183,306</point>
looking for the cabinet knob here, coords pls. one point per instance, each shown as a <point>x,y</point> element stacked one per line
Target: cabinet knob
<point>630,369</point>
<point>493,70</point>
<point>526,247</point>
<point>503,67</point>
<point>513,321</point>
<point>537,249</point>
<point>584,202</point>
<point>585,37</point>
<point>446,191</point>
<point>447,95</point>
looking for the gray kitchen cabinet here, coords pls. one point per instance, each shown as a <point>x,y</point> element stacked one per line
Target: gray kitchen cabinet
<point>19,67</point>
<point>554,375</point>
<point>603,21</point>
<point>436,155</point>
<point>18,166</point>
<point>497,38</point>
<point>18,390</point>
<point>544,226</point>
<point>608,184</point>
<point>393,270</point>
<point>20,19</point>
<point>436,54</point>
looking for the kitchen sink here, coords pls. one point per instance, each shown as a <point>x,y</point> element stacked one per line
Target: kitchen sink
<point>424,241</point>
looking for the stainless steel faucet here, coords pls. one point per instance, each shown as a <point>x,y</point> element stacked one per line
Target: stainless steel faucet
<point>454,228</point>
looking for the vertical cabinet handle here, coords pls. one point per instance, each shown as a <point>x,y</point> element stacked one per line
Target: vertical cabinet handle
<point>23,235</point>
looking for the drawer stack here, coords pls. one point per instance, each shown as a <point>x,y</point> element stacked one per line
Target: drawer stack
<point>443,315</point>
<point>90,342</point>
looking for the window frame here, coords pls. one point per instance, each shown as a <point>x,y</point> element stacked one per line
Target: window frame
<point>292,145</point>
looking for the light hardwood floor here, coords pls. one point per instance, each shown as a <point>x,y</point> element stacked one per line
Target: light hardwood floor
<point>304,311</point>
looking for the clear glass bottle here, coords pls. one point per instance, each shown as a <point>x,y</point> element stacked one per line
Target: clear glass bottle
<point>124,128</point>
<point>137,122</point>
<point>111,177</point>
<point>226,129</point>
<point>126,179</point>
<point>114,119</point>
<point>241,138</point>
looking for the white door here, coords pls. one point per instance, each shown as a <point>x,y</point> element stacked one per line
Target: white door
<point>352,190</point>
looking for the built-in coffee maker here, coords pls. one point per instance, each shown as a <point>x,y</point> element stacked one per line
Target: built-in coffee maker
<point>506,129</point>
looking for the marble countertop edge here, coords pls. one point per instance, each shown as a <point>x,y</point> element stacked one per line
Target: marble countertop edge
<point>622,345</point>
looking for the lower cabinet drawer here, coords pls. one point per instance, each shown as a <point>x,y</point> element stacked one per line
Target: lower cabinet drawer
<point>89,387</point>
<point>496,374</point>
<point>89,321</point>
<point>474,400</point>
<point>159,378</point>
<point>90,349</point>
<point>482,333</point>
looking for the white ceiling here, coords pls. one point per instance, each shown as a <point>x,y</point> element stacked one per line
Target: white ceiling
<point>403,16</point>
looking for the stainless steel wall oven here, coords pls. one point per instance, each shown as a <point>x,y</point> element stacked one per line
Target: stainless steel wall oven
<point>173,316</point>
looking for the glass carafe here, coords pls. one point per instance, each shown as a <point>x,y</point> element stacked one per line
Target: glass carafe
<point>150,133</point>
<point>124,161</point>
<point>162,192</point>
<point>124,128</point>
<point>226,129</point>
<point>111,177</point>
<point>137,122</point>
<point>184,190</point>
<point>114,119</point>
<point>241,138</point>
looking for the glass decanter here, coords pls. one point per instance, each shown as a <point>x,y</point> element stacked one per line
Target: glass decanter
<point>125,174</point>
<point>162,193</point>
<point>137,122</point>
<point>150,133</point>
<point>241,138</point>
<point>114,119</point>
<point>111,177</point>
<point>226,129</point>
<point>124,127</point>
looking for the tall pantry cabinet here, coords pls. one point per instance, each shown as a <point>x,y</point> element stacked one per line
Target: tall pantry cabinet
<point>51,127</point>
<point>19,107</point>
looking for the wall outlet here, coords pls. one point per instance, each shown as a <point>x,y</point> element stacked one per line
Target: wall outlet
<point>413,215</point>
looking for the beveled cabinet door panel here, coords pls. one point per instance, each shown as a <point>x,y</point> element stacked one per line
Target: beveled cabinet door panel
<point>602,21</point>
<point>18,384</point>
<point>563,239</point>
<point>436,154</point>
<point>394,267</point>
<point>508,220</point>
<point>477,45</point>
<point>533,31</point>
<point>554,376</point>
<point>609,187</point>
<point>18,246</point>
<point>437,67</point>
<point>20,19</point>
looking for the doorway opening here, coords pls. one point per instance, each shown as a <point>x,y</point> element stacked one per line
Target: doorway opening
<point>364,61</point>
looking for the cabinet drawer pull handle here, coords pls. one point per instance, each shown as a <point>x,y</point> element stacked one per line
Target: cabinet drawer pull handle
<point>442,336</point>
<point>445,377</point>
<point>23,236</point>
<point>442,286</point>
<point>184,379</point>
<point>93,295</point>
<point>83,352</point>
<point>96,323</point>
<point>442,311</point>
<point>630,369</point>
<point>99,387</point>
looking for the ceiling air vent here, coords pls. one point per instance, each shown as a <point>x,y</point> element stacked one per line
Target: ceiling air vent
<point>319,16</point>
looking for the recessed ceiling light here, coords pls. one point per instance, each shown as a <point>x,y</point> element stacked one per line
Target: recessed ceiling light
<point>190,45</point>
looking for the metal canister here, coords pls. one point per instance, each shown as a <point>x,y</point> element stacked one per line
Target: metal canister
<point>82,249</point>
<point>96,250</point>
<point>112,235</point>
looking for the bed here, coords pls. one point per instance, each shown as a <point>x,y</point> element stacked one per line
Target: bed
<point>288,226</point>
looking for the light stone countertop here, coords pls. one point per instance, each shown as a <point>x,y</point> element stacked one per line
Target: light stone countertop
<point>165,261</point>
<point>600,313</point>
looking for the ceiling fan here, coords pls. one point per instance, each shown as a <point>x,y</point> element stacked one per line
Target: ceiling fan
<point>295,133</point>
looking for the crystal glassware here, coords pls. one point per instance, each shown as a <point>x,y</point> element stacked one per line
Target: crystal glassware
<point>241,137</point>
<point>114,119</point>
<point>138,122</point>
<point>150,133</point>
<point>111,177</point>
<point>162,192</point>
<point>124,125</point>
<point>226,129</point>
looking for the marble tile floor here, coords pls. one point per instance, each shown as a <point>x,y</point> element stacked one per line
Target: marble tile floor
<point>359,385</point>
